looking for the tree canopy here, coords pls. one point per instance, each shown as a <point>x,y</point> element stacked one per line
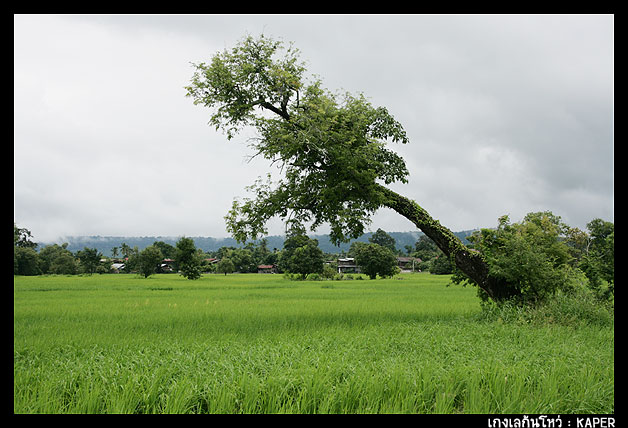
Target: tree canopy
<point>330,148</point>
<point>148,260</point>
<point>380,237</point>
<point>187,258</point>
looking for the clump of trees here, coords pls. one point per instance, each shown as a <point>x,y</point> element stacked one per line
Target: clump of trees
<point>245,259</point>
<point>542,255</point>
<point>183,257</point>
<point>57,259</point>
<point>53,259</point>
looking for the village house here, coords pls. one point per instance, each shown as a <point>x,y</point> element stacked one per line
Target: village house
<point>267,269</point>
<point>167,265</point>
<point>117,267</point>
<point>408,264</point>
<point>348,265</point>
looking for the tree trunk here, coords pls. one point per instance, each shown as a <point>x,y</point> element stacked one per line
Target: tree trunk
<point>470,262</point>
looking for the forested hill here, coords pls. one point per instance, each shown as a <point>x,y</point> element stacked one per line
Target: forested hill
<point>104,244</point>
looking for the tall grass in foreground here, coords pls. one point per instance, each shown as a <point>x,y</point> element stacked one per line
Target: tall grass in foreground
<point>262,344</point>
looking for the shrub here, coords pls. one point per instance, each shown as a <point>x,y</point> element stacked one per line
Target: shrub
<point>328,272</point>
<point>531,257</point>
<point>442,265</point>
<point>598,262</point>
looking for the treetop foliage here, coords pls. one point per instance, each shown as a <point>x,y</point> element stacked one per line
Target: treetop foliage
<point>330,148</point>
<point>380,237</point>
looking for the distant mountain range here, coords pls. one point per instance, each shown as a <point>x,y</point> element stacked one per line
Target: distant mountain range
<point>104,244</point>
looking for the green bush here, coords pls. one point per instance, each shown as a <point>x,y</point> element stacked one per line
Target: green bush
<point>531,257</point>
<point>328,271</point>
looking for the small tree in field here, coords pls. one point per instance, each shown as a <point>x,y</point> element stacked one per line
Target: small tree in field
<point>89,259</point>
<point>374,260</point>
<point>188,258</point>
<point>301,254</point>
<point>148,259</point>
<point>225,265</point>
<point>306,259</point>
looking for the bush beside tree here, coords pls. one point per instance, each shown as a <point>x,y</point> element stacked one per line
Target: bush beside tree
<point>533,257</point>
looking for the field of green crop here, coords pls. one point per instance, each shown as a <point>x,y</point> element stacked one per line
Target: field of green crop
<point>249,343</point>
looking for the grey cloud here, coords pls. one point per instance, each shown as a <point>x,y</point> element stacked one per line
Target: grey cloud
<point>506,114</point>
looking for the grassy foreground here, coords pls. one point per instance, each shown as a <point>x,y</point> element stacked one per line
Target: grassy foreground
<point>249,343</point>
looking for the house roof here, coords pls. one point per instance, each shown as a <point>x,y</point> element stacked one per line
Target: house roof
<point>265,266</point>
<point>408,259</point>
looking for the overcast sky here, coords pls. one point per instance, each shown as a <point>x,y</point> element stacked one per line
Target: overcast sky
<point>505,115</point>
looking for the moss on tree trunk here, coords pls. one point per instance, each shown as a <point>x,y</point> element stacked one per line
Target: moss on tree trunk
<point>468,261</point>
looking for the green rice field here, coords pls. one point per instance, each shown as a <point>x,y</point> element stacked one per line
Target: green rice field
<point>254,343</point>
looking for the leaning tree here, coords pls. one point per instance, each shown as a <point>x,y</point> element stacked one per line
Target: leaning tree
<point>331,150</point>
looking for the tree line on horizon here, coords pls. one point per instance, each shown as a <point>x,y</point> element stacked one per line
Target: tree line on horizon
<point>560,255</point>
<point>297,251</point>
<point>105,244</point>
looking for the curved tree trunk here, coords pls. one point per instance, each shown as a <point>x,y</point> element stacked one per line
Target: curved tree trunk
<point>470,262</point>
